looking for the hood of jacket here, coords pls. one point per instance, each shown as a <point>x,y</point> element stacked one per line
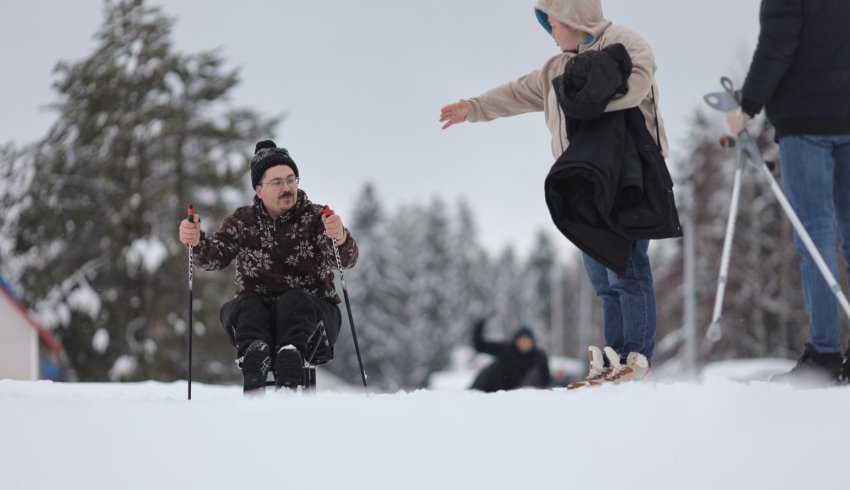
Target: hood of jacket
<point>583,15</point>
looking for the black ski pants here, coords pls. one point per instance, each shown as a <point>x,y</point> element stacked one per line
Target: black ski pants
<point>291,318</point>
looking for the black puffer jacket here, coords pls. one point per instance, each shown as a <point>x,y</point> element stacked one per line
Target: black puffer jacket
<point>801,67</point>
<point>611,186</point>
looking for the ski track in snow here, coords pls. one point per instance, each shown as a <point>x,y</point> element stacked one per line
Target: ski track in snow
<point>713,435</point>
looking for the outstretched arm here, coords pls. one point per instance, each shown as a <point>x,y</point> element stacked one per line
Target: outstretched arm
<point>525,94</point>
<point>481,345</point>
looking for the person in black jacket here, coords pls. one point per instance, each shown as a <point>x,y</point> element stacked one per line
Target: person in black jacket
<point>518,364</point>
<point>800,73</point>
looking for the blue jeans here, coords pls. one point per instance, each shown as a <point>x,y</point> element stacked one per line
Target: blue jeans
<point>628,302</point>
<point>816,177</point>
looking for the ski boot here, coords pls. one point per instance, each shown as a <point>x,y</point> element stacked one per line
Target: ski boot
<point>255,367</point>
<point>288,368</point>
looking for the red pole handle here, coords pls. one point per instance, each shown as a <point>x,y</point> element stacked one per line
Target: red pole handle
<point>191,214</point>
<point>327,211</point>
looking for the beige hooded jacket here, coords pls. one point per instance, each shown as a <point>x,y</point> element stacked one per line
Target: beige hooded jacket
<point>533,92</point>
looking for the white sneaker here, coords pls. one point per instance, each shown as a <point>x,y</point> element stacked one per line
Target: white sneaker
<point>636,367</point>
<point>597,372</point>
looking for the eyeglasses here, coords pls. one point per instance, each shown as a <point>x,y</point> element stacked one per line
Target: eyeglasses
<point>278,183</point>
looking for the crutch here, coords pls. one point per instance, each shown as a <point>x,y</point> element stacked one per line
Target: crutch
<point>747,151</point>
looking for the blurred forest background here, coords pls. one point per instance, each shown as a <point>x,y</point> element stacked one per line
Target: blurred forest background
<point>88,237</point>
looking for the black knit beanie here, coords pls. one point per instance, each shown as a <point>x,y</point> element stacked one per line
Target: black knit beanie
<point>523,330</point>
<point>267,155</point>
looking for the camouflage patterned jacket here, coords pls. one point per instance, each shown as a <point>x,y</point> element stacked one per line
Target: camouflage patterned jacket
<point>274,256</point>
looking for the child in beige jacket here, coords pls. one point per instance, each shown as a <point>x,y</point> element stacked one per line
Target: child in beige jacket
<point>628,301</point>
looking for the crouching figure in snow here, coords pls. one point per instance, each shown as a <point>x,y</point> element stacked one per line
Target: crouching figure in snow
<point>518,363</point>
<point>285,295</point>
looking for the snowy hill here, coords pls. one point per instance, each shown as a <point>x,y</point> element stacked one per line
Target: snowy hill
<point>718,434</point>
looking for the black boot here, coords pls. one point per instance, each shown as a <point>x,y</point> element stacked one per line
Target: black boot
<point>845,368</point>
<point>813,369</point>
<point>288,367</point>
<point>255,367</point>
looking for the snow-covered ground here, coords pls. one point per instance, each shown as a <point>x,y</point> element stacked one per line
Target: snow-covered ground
<point>713,434</point>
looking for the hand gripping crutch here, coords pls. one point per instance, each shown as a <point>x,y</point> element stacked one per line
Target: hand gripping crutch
<point>749,152</point>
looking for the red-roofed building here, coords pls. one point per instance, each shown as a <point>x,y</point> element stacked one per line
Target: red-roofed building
<point>24,343</point>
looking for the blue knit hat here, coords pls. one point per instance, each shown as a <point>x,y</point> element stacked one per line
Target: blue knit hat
<point>523,330</point>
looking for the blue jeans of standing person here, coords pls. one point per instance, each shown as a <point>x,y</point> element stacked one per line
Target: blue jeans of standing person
<point>628,302</point>
<point>816,177</point>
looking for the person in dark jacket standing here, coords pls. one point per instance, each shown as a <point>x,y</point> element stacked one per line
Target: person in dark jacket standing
<point>518,364</point>
<point>284,270</point>
<point>800,73</point>
<point>628,297</point>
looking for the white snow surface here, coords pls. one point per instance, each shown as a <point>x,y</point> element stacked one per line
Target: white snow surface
<point>714,434</point>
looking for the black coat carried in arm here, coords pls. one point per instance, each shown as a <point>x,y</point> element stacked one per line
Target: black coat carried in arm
<point>611,186</point>
<point>801,67</point>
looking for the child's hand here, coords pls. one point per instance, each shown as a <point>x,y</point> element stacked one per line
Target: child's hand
<point>454,113</point>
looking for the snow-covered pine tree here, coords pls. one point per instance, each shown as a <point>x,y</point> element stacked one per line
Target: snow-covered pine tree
<point>427,263</point>
<point>703,183</point>
<point>467,288</point>
<point>763,313</point>
<point>142,130</point>
<point>506,278</point>
<point>537,289</point>
<point>421,279</point>
<point>375,290</point>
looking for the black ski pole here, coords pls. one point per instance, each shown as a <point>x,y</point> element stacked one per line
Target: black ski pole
<point>328,212</point>
<point>189,247</point>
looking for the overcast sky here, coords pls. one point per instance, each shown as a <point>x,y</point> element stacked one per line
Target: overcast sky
<point>361,84</point>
